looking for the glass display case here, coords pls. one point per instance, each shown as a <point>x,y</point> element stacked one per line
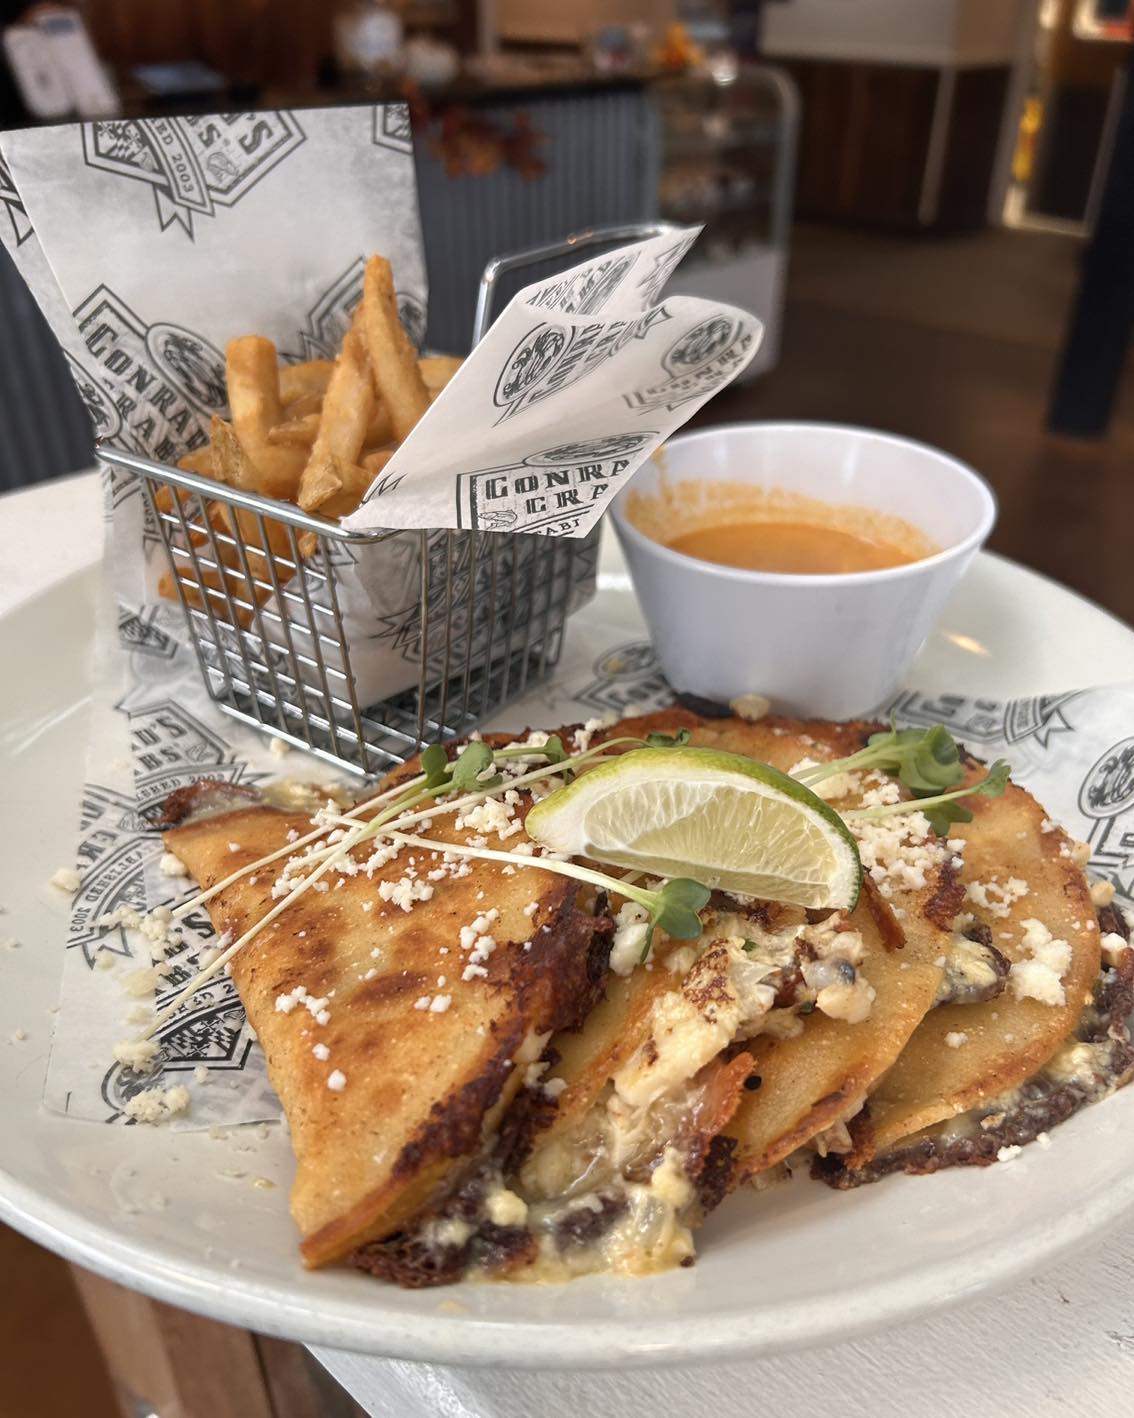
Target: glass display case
<point>727,162</point>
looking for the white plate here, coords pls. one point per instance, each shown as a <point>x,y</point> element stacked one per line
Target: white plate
<point>802,1265</point>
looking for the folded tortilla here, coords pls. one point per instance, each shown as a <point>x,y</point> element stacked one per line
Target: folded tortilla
<point>387,1098</point>
<point>1018,867</point>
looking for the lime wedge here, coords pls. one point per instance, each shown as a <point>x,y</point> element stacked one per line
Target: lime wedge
<point>724,820</point>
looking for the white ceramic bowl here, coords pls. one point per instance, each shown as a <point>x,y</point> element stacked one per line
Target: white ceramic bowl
<point>832,646</point>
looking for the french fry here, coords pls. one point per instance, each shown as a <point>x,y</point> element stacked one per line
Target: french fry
<point>375,461</point>
<point>299,380</point>
<point>299,432</point>
<point>347,408</point>
<point>392,356</point>
<point>344,485</point>
<point>437,370</point>
<point>305,404</point>
<point>252,374</point>
<point>200,460</point>
<point>380,429</point>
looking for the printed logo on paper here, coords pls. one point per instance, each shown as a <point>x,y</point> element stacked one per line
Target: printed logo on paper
<point>553,355</point>
<point>969,720</point>
<point>195,165</point>
<point>553,491</point>
<point>662,266</point>
<point>161,382</point>
<point>626,677</point>
<point>391,128</point>
<point>584,291</point>
<point>329,318</point>
<point>1108,788</point>
<point>138,630</point>
<point>988,720</point>
<point>17,212</point>
<point>1038,718</point>
<point>110,860</point>
<point>172,748</point>
<point>699,363</point>
<point>103,415</point>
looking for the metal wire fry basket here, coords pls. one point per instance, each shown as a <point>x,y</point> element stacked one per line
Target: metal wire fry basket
<point>267,590</point>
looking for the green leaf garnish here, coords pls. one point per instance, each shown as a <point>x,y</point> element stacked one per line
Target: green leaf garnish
<point>435,766</point>
<point>553,749</point>
<point>473,759</point>
<point>927,761</point>
<point>680,900</point>
<point>942,809</point>
<point>659,740</point>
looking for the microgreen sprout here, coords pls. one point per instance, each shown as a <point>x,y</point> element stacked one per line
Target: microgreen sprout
<point>673,906</point>
<point>945,807</point>
<point>928,762</point>
<point>660,740</point>
<point>461,783</point>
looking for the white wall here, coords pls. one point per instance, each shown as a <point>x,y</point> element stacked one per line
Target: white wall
<point>929,32</point>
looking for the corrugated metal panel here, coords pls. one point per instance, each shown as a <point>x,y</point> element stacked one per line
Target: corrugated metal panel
<point>44,429</point>
<point>601,150</point>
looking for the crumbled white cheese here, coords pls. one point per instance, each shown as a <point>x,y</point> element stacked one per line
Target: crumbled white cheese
<point>279,748</point>
<point>66,879</point>
<point>531,908</point>
<point>201,1074</point>
<point>171,865</point>
<point>849,1002</point>
<point>1008,1154</point>
<point>584,735</point>
<point>440,1004</point>
<point>157,1105</point>
<point>897,851</point>
<point>234,846</point>
<point>405,892</point>
<point>1113,947</point>
<point>553,1087</point>
<point>336,1080</point>
<point>631,926</point>
<point>321,1052</point>
<point>1044,1141</point>
<point>752,707</point>
<point>505,1208</point>
<point>1041,976</point>
<point>141,982</point>
<point>475,969</point>
<point>493,815</point>
<point>136,1054</point>
<point>996,897</point>
<point>955,1038</point>
<point>1102,893</point>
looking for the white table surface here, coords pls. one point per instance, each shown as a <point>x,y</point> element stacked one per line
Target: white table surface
<point>1061,1343</point>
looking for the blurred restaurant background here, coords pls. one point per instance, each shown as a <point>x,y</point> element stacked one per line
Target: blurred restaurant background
<point>930,203</point>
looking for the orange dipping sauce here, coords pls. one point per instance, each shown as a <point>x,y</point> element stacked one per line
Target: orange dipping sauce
<point>769,529</point>
<point>802,548</point>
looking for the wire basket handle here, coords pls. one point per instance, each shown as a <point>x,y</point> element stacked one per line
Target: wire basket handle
<point>577,241</point>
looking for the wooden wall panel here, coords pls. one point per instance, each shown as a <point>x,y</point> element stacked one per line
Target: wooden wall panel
<point>266,42</point>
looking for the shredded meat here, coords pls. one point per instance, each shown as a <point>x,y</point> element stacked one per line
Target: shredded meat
<point>715,1179</point>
